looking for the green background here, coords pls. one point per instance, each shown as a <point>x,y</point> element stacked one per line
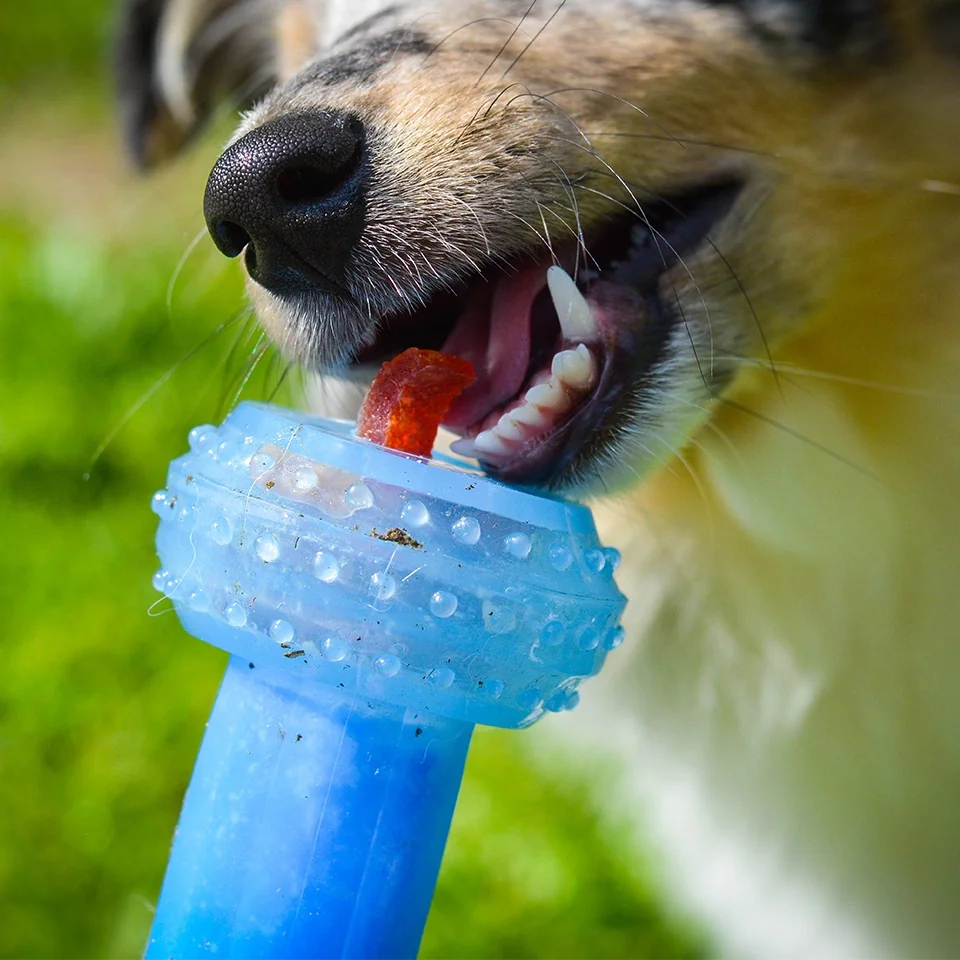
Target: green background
<point>109,320</point>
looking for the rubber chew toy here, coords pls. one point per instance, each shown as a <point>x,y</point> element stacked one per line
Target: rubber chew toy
<point>376,606</point>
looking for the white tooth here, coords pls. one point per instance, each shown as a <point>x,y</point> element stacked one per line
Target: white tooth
<point>550,396</point>
<point>510,429</point>
<point>531,415</point>
<point>464,447</point>
<point>576,368</point>
<point>587,354</point>
<point>576,320</point>
<point>541,376</point>
<point>488,442</point>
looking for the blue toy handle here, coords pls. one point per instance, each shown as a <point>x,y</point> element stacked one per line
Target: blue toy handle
<point>314,824</point>
<point>375,606</point>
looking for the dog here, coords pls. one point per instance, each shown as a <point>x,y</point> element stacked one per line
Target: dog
<point>718,242</point>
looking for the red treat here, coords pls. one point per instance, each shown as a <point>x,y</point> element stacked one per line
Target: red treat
<point>410,397</point>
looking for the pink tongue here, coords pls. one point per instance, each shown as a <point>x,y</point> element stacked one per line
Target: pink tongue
<point>494,335</point>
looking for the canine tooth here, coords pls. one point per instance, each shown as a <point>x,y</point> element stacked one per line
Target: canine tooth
<point>576,320</point>
<point>576,368</point>
<point>488,442</point>
<point>549,396</point>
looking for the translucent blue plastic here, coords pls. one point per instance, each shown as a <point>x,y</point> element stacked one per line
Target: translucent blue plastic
<point>376,607</point>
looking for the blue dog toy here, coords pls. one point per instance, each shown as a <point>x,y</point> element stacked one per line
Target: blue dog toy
<point>376,606</point>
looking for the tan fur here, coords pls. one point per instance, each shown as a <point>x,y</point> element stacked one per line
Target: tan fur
<point>787,712</point>
<point>793,608</point>
<point>794,695</point>
<point>713,102</point>
<point>298,27</point>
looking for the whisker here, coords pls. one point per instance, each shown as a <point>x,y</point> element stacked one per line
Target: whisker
<point>528,93</point>
<point>627,103</point>
<point>533,39</point>
<point>450,245</point>
<point>473,213</point>
<point>474,23</point>
<point>694,476</point>
<point>246,332</point>
<point>405,37</point>
<point>637,442</point>
<point>261,348</point>
<point>528,225</point>
<point>506,42</point>
<point>788,371</point>
<point>404,259</point>
<point>709,424</point>
<point>756,318</point>
<point>577,236</point>
<point>676,296</point>
<point>485,109</point>
<point>657,236</point>
<point>683,141</point>
<point>289,366</point>
<point>152,390</point>
<point>776,425</point>
<point>276,367</point>
<point>546,230</point>
<point>568,187</point>
<point>178,269</point>
<point>809,441</point>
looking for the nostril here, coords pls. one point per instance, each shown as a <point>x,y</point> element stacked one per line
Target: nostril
<point>305,184</point>
<point>290,197</point>
<point>229,237</point>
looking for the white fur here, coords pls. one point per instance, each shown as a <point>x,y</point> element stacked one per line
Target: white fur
<point>786,714</point>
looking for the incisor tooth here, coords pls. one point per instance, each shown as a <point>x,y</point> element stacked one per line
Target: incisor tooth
<point>530,414</point>
<point>510,429</point>
<point>576,368</point>
<point>463,448</point>
<point>488,442</point>
<point>550,396</point>
<point>576,320</point>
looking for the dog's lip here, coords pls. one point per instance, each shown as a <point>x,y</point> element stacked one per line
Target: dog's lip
<point>622,341</point>
<point>633,323</point>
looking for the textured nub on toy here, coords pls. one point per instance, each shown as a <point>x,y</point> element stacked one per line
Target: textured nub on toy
<point>410,397</point>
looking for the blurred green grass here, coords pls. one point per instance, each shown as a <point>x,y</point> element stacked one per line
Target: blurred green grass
<point>102,697</point>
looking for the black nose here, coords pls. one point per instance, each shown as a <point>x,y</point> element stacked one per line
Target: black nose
<point>293,194</point>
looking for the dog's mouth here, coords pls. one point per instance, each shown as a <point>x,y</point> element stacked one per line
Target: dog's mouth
<point>563,342</point>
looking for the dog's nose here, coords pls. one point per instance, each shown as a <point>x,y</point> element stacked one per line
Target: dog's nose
<point>292,193</point>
